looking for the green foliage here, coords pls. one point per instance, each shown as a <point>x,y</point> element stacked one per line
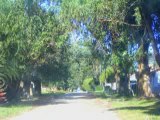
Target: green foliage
<point>31,43</point>
<point>79,63</point>
<point>32,39</point>
<point>102,77</point>
<point>88,84</point>
<point>138,16</point>
<point>107,75</point>
<point>99,88</point>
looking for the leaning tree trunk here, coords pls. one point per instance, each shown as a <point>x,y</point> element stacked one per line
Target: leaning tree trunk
<point>143,82</point>
<point>154,42</point>
<point>144,89</point>
<point>147,20</point>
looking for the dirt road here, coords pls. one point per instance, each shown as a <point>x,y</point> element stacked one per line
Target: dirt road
<point>72,106</point>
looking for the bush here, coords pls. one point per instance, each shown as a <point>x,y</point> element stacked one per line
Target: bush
<point>99,88</point>
<point>88,84</point>
<point>106,75</point>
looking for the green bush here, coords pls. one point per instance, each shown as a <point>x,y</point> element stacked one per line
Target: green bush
<point>99,88</point>
<point>106,75</point>
<point>88,84</point>
<point>102,77</point>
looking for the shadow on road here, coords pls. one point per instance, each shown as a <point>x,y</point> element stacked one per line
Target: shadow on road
<point>51,99</point>
<point>74,96</point>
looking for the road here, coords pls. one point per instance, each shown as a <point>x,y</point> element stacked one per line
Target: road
<point>72,106</point>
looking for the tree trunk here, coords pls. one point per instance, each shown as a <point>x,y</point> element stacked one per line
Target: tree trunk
<point>146,17</point>
<point>153,40</point>
<point>144,89</point>
<point>38,87</point>
<point>117,78</point>
<point>12,89</point>
<point>124,84</point>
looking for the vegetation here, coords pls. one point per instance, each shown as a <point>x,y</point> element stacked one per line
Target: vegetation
<point>87,84</point>
<point>67,44</point>
<point>131,107</point>
<point>121,34</point>
<point>77,43</point>
<point>13,110</point>
<point>136,108</point>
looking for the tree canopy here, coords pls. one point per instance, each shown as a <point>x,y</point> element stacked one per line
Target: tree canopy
<point>78,42</point>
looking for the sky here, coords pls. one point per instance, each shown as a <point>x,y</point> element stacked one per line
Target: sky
<point>50,6</point>
<point>156,28</point>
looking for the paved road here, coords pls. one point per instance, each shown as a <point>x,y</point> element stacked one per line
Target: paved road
<point>73,106</point>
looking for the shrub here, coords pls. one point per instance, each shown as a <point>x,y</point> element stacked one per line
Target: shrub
<point>99,88</point>
<point>106,75</point>
<point>88,84</point>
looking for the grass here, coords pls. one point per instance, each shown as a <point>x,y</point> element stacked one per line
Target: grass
<point>15,108</point>
<point>137,109</point>
<point>134,108</point>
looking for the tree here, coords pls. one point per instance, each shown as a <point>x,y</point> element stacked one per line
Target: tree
<point>124,21</point>
<point>27,39</point>
<point>79,63</point>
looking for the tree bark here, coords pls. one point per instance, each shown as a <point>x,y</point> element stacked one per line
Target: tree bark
<point>146,17</point>
<point>144,89</point>
<point>124,84</point>
<point>117,78</point>
<point>12,89</point>
<point>38,86</point>
<point>123,89</point>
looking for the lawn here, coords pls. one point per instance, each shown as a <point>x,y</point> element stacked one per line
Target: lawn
<point>10,110</point>
<point>134,108</point>
<point>137,109</point>
<point>17,107</point>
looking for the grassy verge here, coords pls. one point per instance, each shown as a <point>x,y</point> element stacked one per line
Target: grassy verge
<point>13,109</point>
<point>17,107</point>
<point>134,108</point>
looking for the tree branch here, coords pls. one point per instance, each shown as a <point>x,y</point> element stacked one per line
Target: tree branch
<point>120,22</point>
